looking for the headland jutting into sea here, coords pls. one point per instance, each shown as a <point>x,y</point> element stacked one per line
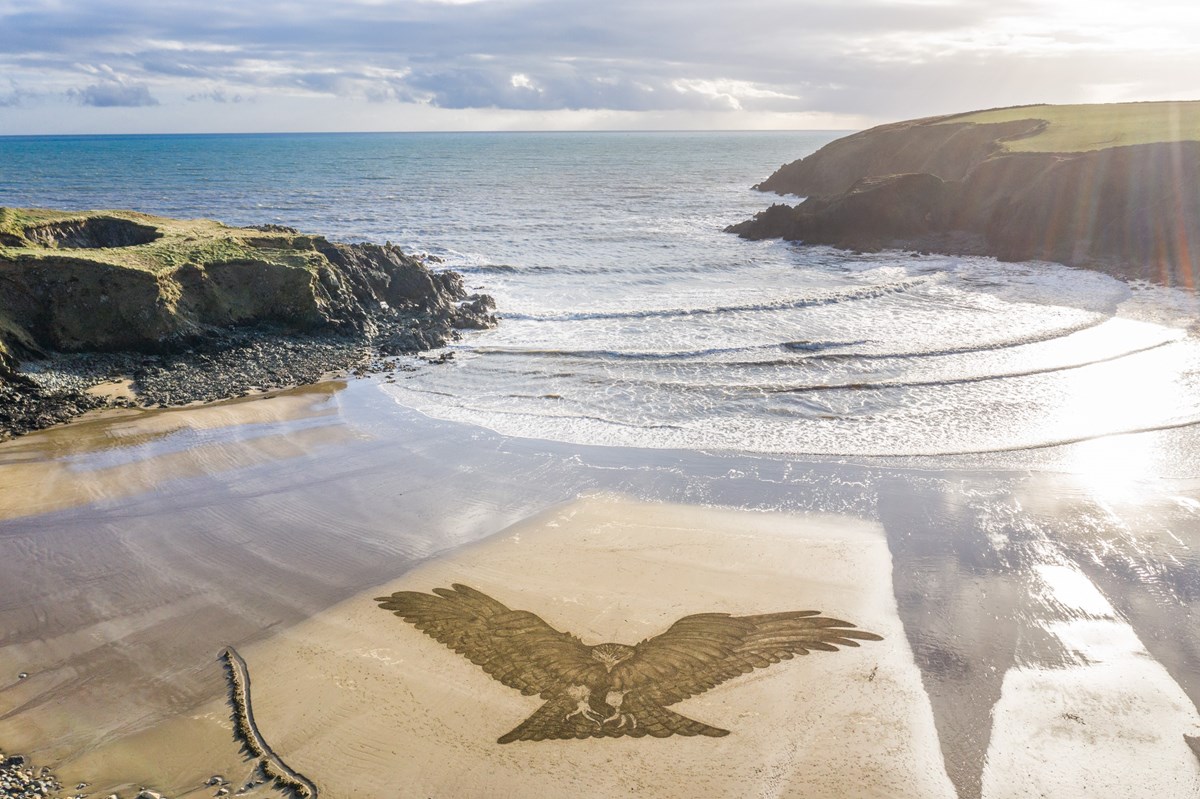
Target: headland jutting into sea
<point>1108,187</point>
<point>195,311</point>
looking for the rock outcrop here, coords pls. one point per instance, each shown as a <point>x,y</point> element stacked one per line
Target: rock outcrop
<point>946,186</point>
<point>132,282</point>
<point>127,283</point>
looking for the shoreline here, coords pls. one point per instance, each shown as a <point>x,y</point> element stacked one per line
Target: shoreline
<point>43,393</point>
<point>233,365</point>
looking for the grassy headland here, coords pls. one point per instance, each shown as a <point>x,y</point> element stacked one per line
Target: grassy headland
<point>1109,187</point>
<point>1080,128</point>
<point>198,310</point>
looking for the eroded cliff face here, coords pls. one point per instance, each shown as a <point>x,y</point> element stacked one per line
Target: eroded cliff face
<point>1132,211</point>
<point>103,283</point>
<point>1135,210</point>
<point>194,310</point>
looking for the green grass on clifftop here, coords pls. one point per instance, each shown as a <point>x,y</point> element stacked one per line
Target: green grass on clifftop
<point>1079,128</point>
<point>175,242</point>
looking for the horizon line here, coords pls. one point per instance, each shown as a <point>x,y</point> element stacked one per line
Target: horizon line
<point>415,132</point>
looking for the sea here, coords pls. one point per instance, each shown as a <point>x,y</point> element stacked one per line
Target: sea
<point>629,318</point>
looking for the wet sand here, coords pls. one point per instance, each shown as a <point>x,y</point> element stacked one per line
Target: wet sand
<point>133,548</point>
<point>66,466</point>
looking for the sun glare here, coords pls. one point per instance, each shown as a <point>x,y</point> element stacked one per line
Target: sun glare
<point>1130,394</point>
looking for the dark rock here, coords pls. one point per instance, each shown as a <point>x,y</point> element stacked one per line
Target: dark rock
<point>933,145</point>
<point>476,313</point>
<point>271,228</point>
<point>1130,211</point>
<point>874,213</point>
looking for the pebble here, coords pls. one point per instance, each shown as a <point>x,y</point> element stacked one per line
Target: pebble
<point>21,780</point>
<point>229,364</point>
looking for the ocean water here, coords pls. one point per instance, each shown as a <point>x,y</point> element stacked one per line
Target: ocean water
<point>629,318</point>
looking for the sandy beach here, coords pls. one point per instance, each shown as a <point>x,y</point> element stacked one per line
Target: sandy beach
<point>362,703</point>
<point>135,547</point>
<point>379,695</point>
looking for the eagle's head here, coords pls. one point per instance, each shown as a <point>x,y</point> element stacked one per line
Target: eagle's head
<point>611,654</point>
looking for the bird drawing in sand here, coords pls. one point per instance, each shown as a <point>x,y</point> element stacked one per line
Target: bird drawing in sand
<point>611,690</point>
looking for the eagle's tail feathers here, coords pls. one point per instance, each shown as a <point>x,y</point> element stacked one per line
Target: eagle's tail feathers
<point>660,722</point>
<point>550,722</point>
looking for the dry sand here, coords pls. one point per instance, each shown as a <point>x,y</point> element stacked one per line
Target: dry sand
<point>366,705</point>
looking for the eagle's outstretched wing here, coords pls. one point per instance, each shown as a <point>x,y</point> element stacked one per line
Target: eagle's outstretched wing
<point>702,651</point>
<point>514,646</point>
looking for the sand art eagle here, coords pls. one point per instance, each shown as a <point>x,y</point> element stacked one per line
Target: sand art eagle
<point>612,690</point>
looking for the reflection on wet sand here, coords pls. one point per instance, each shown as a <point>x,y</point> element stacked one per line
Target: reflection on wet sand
<point>1004,584</point>
<point>120,453</point>
<point>1100,692</point>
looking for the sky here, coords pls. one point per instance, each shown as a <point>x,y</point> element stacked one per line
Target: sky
<point>170,66</point>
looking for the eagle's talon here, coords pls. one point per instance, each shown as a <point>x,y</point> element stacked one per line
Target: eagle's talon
<point>623,718</point>
<point>582,697</point>
<point>587,713</point>
<point>614,700</point>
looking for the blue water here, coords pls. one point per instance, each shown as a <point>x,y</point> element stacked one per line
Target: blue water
<point>630,318</point>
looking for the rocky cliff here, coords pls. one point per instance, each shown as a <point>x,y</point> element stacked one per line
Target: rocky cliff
<point>953,185</point>
<point>126,284</point>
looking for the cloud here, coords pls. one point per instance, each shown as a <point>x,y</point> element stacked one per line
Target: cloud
<point>875,58</point>
<point>113,95</point>
<point>13,97</point>
<point>217,96</point>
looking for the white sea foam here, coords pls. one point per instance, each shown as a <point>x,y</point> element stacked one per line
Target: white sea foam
<point>629,317</point>
<point>910,356</point>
